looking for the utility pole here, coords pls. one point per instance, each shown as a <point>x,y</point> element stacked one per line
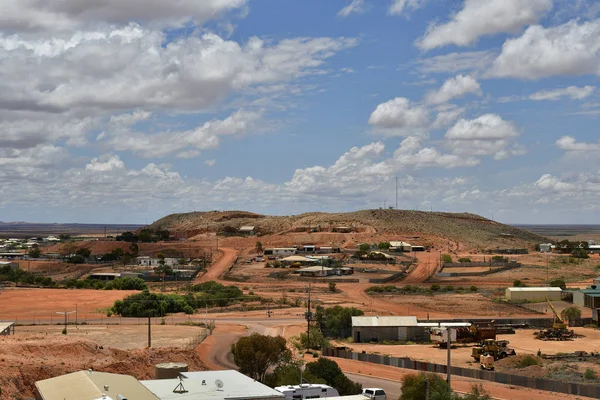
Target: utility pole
<point>449,347</point>
<point>149,332</point>
<point>426,389</point>
<point>396,192</point>
<point>66,314</point>
<point>308,319</point>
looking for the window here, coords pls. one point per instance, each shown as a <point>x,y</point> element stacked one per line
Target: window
<point>380,393</point>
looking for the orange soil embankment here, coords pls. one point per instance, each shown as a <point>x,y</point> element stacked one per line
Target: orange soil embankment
<point>26,304</point>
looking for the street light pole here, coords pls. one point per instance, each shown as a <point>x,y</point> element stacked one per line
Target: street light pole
<point>65,313</point>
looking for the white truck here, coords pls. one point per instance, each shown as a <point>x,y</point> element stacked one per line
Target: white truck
<point>440,336</point>
<point>307,391</point>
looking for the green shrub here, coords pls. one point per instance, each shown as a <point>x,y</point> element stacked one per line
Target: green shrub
<point>473,288</point>
<point>527,361</point>
<point>446,258</point>
<point>435,287</point>
<point>590,374</point>
<point>464,260</point>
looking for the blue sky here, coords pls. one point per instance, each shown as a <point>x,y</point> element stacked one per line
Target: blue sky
<point>129,110</point>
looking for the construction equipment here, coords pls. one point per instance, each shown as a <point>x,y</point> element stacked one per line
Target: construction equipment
<point>496,348</point>
<point>477,332</point>
<point>559,329</point>
<point>486,362</point>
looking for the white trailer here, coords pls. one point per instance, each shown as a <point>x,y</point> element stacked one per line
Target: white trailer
<point>307,391</point>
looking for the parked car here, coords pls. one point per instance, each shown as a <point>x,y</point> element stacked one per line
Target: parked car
<point>375,393</point>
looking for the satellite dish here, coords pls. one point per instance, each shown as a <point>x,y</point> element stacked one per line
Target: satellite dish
<point>219,384</point>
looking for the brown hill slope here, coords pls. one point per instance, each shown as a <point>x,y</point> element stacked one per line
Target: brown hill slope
<point>469,229</point>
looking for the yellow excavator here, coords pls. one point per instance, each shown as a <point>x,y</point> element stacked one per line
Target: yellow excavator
<point>559,329</point>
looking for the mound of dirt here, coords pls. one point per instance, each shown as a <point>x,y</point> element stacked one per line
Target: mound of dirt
<point>470,229</point>
<point>30,358</point>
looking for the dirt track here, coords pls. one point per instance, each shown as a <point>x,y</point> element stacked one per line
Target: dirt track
<point>217,269</point>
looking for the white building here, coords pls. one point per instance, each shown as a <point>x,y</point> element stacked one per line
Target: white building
<point>397,328</point>
<point>400,246</point>
<point>280,251</point>
<point>212,385</point>
<point>533,293</point>
<point>92,385</point>
<point>147,261</point>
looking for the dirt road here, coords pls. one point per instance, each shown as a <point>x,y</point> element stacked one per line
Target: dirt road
<point>217,269</point>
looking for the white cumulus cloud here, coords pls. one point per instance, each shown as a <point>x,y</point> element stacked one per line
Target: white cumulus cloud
<point>400,117</point>
<point>565,50</point>
<point>484,17</point>
<point>453,88</point>
<point>569,143</point>
<point>411,154</point>
<point>65,15</point>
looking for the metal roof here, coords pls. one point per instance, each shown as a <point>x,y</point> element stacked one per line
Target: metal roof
<point>247,228</point>
<point>399,244</point>
<point>534,289</point>
<point>444,324</point>
<point>86,385</point>
<point>5,325</point>
<point>384,321</point>
<point>315,268</point>
<point>298,258</point>
<point>202,384</point>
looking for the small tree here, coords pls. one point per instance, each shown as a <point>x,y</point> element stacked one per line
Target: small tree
<point>331,373</point>
<point>559,283</point>
<point>163,270</point>
<point>34,252</point>
<point>570,313</point>
<point>518,283</point>
<point>414,385</point>
<point>332,288</point>
<point>258,247</point>
<point>364,247</point>
<point>256,354</point>
<point>446,258</point>
<point>464,260</point>
<point>383,245</point>
<point>316,340</point>
<point>580,253</point>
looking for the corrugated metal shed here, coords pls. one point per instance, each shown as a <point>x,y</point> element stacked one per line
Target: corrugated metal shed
<point>384,321</point>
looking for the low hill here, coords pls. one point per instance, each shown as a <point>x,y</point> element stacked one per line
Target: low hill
<point>469,229</point>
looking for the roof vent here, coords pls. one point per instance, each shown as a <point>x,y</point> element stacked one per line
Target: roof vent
<point>106,388</point>
<point>203,382</point>
<point>593,286</point>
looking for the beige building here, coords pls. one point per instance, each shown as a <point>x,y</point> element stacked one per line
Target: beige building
<point>533,293</point>
<point>92,385</point>
<point>394,328</point>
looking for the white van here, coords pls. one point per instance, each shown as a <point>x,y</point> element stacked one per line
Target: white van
<point>307,391</point>
<point>375,393</point>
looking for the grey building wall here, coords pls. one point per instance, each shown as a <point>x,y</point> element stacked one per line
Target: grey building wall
<point>362,334</point>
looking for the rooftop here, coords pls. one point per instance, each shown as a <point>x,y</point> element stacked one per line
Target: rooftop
<point>534,289</point>
<point>298,259</point>
<point>316,268</point>
<point>86,385</point>
<point>203,384</point>
<point>247,228</point>
<point>384,321</point>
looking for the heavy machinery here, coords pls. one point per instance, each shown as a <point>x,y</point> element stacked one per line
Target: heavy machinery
<point>496,348</point>
<point>477,332</point>
<point>559,329</point>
